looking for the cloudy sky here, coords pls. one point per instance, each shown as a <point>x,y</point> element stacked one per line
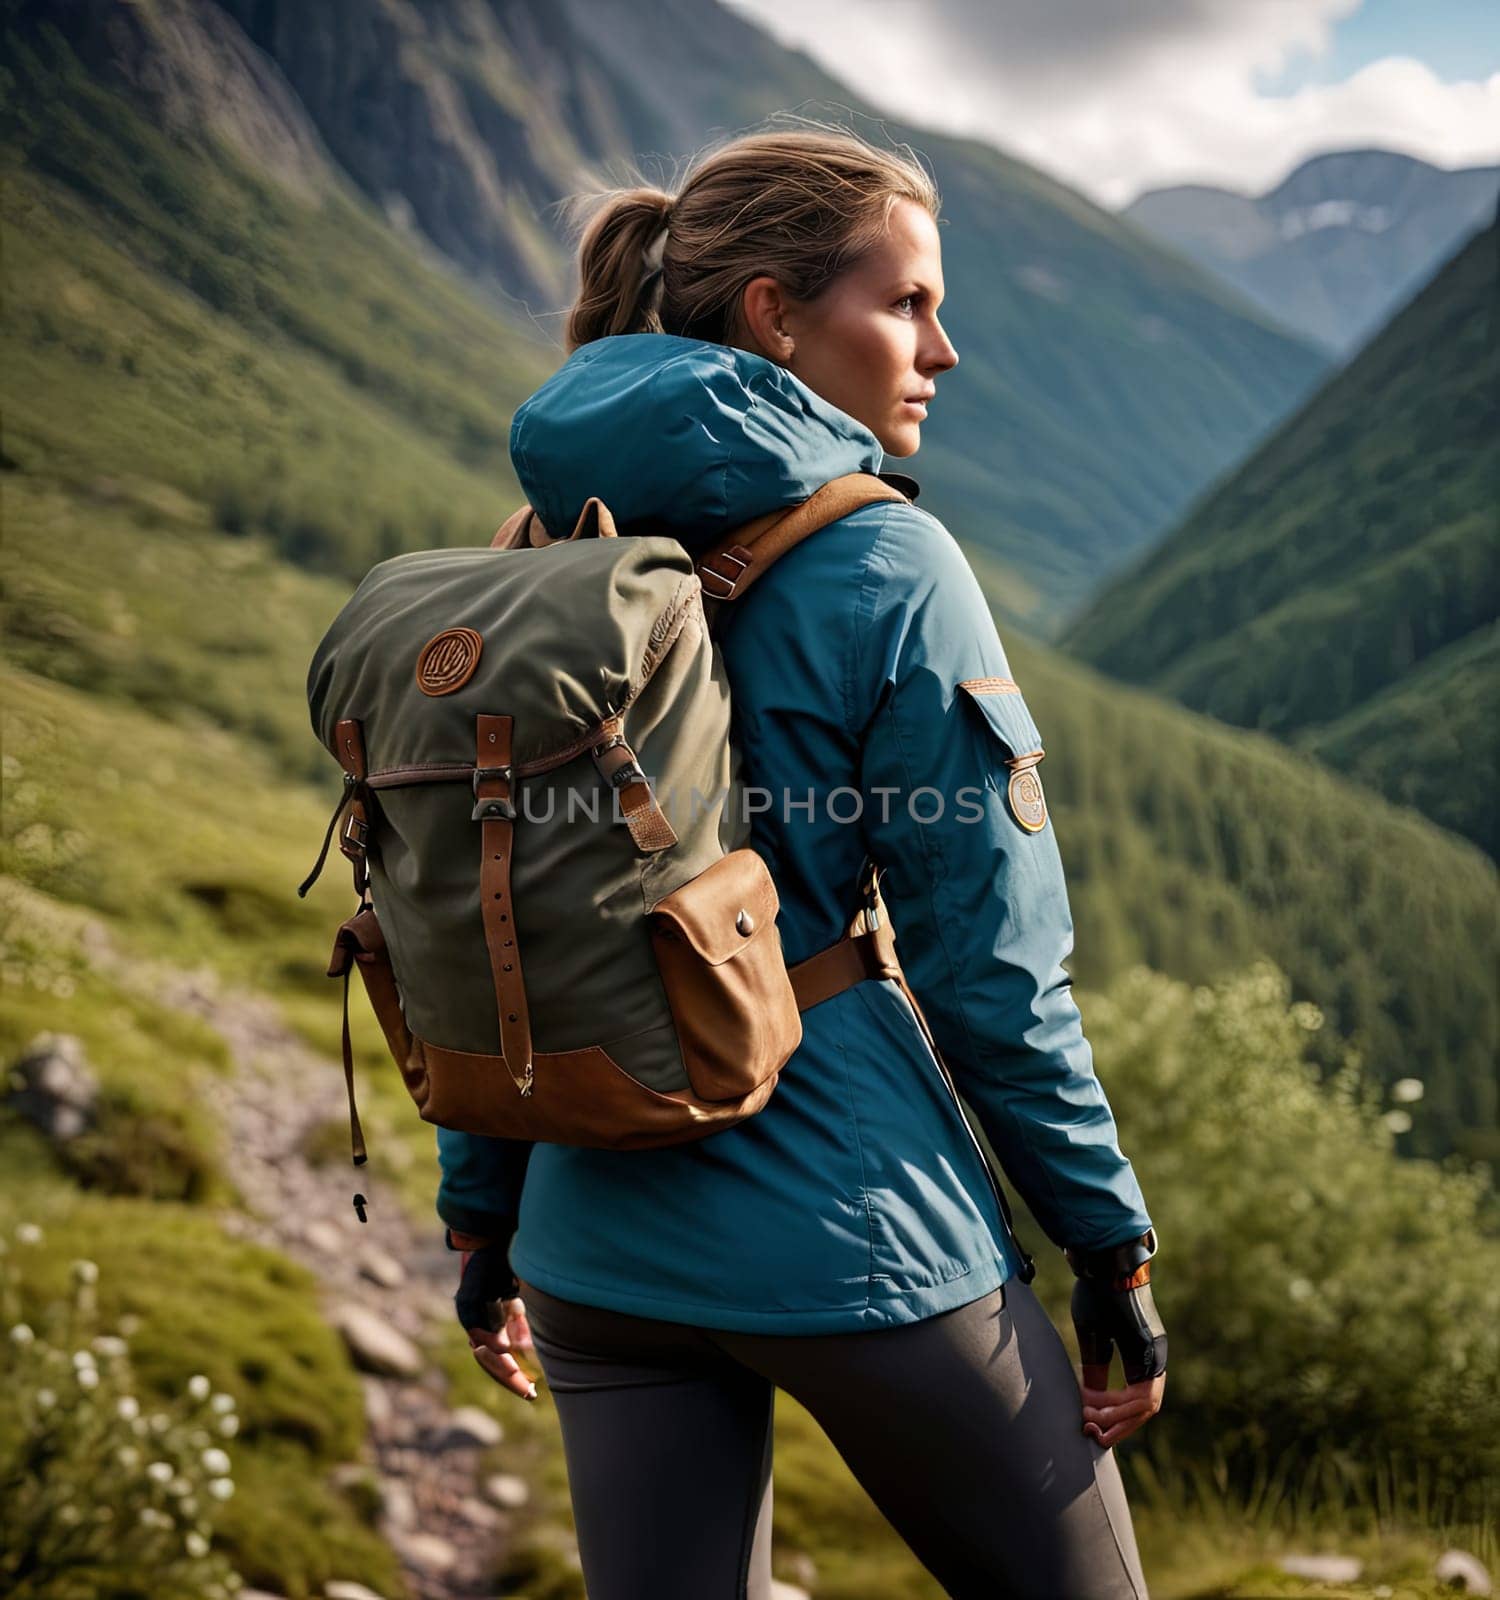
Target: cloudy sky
<point>1117,96</point>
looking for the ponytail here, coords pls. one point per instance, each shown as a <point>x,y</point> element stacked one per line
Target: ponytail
<point>619,267</point>
<point>800,204</point>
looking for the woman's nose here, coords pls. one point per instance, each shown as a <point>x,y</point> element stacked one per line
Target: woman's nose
<point>941,356</point>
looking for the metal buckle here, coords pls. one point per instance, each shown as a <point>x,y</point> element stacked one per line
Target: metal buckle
<point>492,809</point>
<point>629,773</point>
<point>488,808</point>
<point>485,774</point>
<point>705,572</point>
<point>356,832</point>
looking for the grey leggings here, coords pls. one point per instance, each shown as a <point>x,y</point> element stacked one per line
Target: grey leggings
<point>965,1429</point>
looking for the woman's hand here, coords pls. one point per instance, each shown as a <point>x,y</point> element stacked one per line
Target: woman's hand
<point>485,1279</point>
<point>1110,1415</point>
<point>1112,1307</point>
<point>492,1348</point>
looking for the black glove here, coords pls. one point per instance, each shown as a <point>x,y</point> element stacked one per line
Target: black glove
<point>1112,1305</point>
<point>484,1278</point>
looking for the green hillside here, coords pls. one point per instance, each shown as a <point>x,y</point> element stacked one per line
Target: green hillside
<point>1340,589</point>
<point>173,319</point>
<point>489,116</point>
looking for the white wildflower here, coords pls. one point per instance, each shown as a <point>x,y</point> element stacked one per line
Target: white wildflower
<point>83,1358</point>
<point>160,1472</point>
<point>110,1345</point>
<point>88,1377</point>
<point>1398,1121</point>
<point>216,1462</point>
<point>45,1399</point>
<point>160,1422</point>
<point>222,1403</point>
<point>85,1272</point>
<point>1407,1090</point>
<point>28,1233</point>
<point>127,1408</point>
<point>229,1426</point>
<point>21,1334</point>
<point>196,1545</point>
<point>221,1488</point>
<point>128,1457</point>
<point>198,1386</point>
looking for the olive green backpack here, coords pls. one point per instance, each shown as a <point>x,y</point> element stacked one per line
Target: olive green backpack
<point>560,927</point>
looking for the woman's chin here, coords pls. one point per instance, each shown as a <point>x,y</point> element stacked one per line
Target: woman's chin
<point>901,439</point>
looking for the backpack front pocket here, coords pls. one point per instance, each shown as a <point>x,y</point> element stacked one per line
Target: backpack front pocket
<point>719,955</point>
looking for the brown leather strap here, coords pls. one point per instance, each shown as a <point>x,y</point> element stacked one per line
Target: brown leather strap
<point>854,958</point>
<point>732,565</point>
<point>495,809</point>
<point>349,746</point>
<point>620,770</point>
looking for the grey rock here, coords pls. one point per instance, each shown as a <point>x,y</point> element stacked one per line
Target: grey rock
<point>507,1490</point>
<point>382,1269</point>
<point>1325,1569</point>
<point>398,1504</point>
<point>325,1237</point>
<point>53,1086</point>
<point>477,1514</point>
<point>378,1407</point>
<point>375,1345</point>
<point>1461,1570</point>
<point>468,1428</point>
<point>428,1551</point>
<point>345,1589</point>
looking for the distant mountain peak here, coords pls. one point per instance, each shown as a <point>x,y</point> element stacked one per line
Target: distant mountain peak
<point>1334,247</point>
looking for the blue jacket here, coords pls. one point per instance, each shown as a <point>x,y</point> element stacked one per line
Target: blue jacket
<point>857,1197</point>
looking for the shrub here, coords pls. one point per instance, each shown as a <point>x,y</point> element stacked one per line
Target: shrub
<point>100,1494</point>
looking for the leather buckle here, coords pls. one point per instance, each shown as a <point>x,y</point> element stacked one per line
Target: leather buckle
<point>705,572</point>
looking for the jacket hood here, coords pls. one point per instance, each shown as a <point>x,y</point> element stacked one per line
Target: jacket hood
<point>689,437</point>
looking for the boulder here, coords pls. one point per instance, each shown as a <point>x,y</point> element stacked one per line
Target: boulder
<point>375,1345</point>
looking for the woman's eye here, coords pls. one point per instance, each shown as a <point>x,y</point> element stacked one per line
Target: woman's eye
<point>908,300</point>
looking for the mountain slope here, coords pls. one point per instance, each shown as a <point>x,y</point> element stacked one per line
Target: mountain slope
<point>1350,558</point>
<point>1336,248</point>
<point>467,120</point>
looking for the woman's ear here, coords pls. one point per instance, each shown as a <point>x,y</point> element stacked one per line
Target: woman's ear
<point>763,308</point>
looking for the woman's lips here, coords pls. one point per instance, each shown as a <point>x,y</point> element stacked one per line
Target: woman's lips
<point>917,406</point>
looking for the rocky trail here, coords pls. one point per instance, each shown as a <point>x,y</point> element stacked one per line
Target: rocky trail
<point>383,1284</point>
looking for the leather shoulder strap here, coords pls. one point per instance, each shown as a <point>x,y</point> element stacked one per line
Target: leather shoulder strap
<point>736,561</point>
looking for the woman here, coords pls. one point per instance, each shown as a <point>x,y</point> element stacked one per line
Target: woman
<point>772,326</point>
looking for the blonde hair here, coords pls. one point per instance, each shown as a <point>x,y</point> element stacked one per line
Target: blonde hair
<point>798,204</point>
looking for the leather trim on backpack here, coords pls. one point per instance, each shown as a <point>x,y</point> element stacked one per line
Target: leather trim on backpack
<point>579,1097</point>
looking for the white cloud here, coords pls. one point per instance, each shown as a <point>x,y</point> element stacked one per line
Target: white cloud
<point>1116,96</point>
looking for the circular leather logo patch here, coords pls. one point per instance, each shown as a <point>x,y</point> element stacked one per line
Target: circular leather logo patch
<point>448,661</point>
<point>1028,805</point>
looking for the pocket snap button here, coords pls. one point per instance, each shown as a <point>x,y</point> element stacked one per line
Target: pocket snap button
<point>745,923</point>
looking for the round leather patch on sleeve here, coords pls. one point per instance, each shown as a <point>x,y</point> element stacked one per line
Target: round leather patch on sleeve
<point>1028,804</point>
<point>447,662</point>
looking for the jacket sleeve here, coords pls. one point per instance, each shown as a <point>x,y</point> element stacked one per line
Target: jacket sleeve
<point>977,899</point>
<point>482,1177</point>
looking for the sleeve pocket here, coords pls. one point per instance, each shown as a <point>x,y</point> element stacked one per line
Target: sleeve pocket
<point>1002,709</point>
